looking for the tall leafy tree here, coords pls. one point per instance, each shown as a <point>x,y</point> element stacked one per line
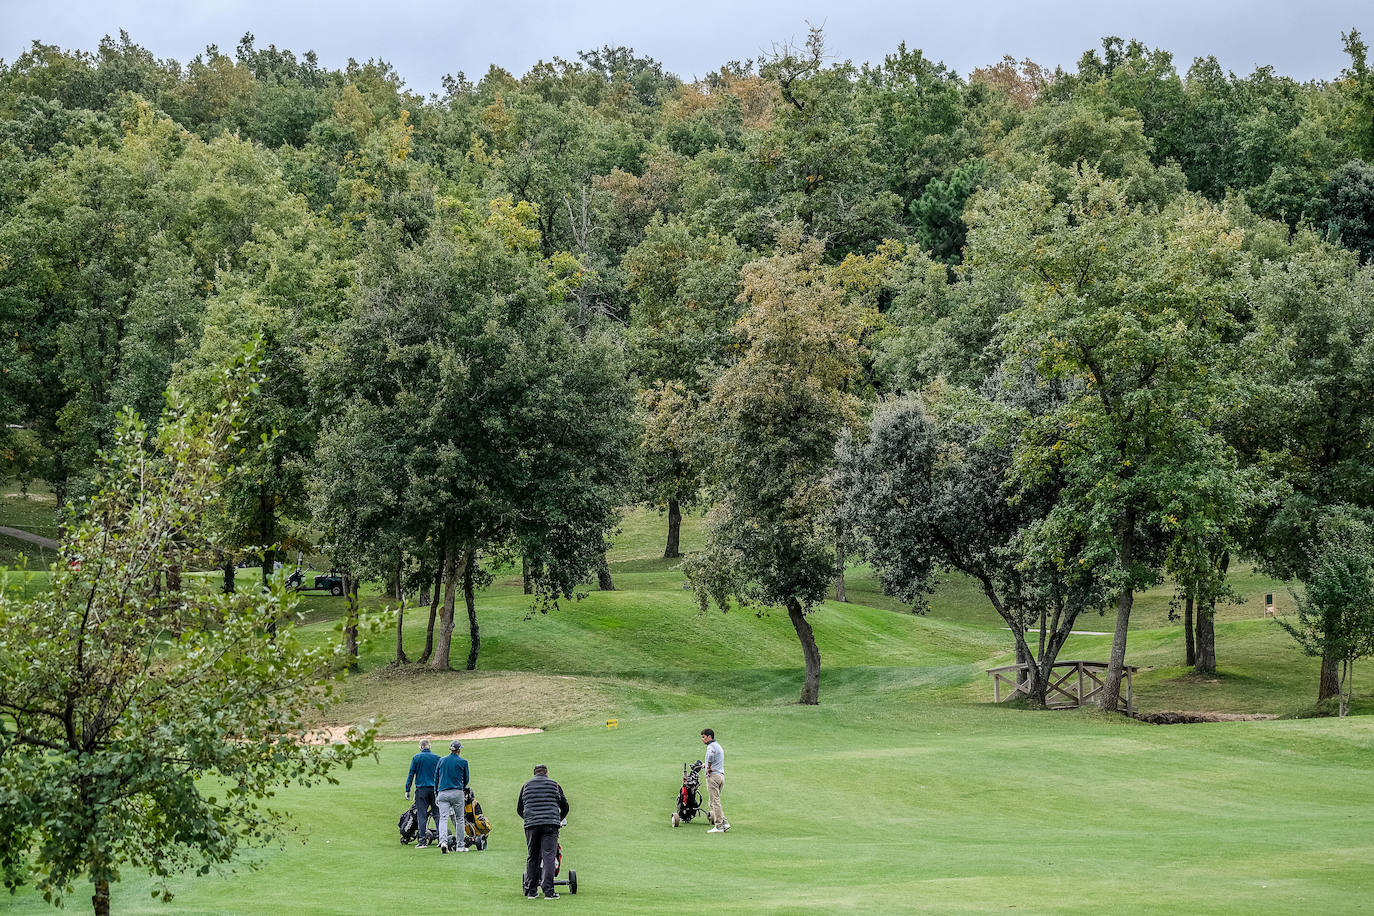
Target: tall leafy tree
<point>287,298</point>
<point>681,331</point>
<point>1130,311</point>
<point>1357,85</point>
<point>118,252</point>
<point>124,706</point>
<point>927,491</point>
<point>1335,618</point>
<point>1312,429</point>
<point>497,426</point>
<point>1350,203</point>
<point>776,414</point>
<point>1055,140</point>
<point>816,160</point>
<point>918,110</point>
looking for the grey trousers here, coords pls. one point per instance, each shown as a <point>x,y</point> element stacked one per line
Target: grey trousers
<point>450,802</point>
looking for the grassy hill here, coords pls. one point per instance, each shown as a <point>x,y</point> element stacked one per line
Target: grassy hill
<point>907,790</point>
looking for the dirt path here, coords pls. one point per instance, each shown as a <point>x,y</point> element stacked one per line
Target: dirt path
<point>21,535</point>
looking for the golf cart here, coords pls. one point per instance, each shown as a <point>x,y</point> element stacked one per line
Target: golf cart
<point>332,583</point>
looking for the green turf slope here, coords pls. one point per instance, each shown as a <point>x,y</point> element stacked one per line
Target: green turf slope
<point>906,791</point>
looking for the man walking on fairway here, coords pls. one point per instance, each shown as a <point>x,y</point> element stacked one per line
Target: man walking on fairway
<point>543,806</point>
<point>453,779</point>
<point>715,778</point>
<point>424,772</point>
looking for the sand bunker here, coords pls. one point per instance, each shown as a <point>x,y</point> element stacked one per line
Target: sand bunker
<point>337,733</point>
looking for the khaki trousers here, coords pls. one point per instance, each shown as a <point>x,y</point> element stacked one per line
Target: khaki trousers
<point>713,784</point>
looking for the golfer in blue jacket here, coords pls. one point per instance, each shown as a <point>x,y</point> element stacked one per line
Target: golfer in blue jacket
<point>453,779</point>
<point>424,773</point>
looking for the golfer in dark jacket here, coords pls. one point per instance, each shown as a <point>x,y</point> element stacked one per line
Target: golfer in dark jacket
<point>543,806</point>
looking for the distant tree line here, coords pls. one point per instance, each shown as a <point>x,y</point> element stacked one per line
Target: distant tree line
<point>1067,333</point>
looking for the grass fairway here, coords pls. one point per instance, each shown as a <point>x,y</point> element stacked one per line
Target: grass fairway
<point>855,809</point>
<point>906,791</point>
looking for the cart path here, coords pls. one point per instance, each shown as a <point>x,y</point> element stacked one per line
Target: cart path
<point>21,535</point>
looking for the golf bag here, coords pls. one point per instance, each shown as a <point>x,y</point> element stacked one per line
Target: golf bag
<point>476,827</point>
<point>689,796</point>
<point>407,826</point>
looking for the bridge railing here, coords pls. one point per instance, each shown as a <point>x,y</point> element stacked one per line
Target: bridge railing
<point>1072,684</point>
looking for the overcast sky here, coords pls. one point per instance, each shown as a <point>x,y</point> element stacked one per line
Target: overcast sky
<point>425,39</point>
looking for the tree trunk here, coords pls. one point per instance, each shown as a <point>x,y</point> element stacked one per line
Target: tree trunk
<point>470,597</point>
<point>1347,688</point>
<point>268,554</point>
<point>1330,684</point>
<point>1023,657</point>
<point>1190,648</point>
<point>433,612</point>
<point>1043,667</point>
<point>673,550</point>
<point>351,623</point>
<point>174,579</point>
<point>811,689</point>
<point>603,575</point>
<point>1206,648</point>
<point>840,593</point>
<point>526,580</point>
<point>229,572</point>
<point>400,618</point>
<point>444,643</point>
<point>1116,665</point>
<point>1206,660</point>
<point>100,900</point>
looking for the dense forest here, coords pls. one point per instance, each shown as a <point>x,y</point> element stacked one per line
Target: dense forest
<point>1065,332</point>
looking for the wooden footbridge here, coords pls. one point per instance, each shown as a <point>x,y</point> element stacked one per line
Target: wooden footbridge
<point>1072,684</point>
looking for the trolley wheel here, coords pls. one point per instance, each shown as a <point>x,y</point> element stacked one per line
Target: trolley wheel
<point>676,820</point>
<point>572,882</point>
<point>336,590</point>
